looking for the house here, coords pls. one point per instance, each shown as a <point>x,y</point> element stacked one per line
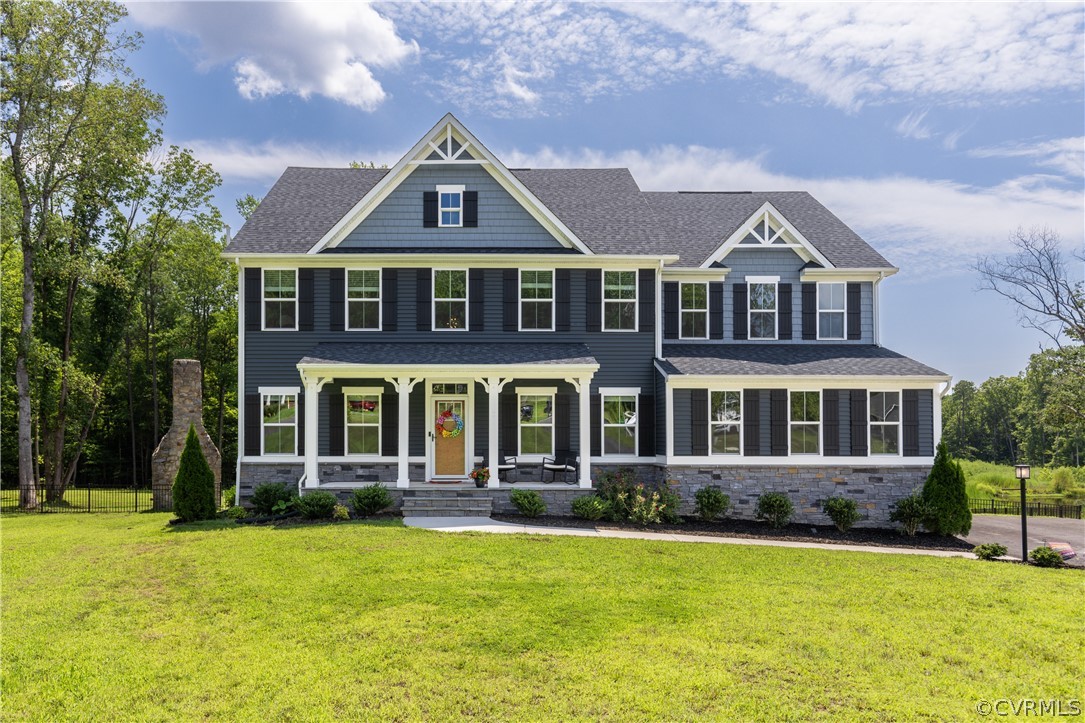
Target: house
<point>407,325</point>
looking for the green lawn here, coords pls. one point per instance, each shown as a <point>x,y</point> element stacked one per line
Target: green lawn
<point>117,617</point>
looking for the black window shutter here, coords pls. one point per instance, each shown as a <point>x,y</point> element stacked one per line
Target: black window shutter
<point>470,209</point>
<point>593,305</point>
<point>751,422</point>
<point>740,320</point>
<point>336,419</point>
<point>476,289</point>
<point>337,290</point>
<point>254,294</point>
<point>671,302</point>
<point>305,299</point>
<point>647,300</point>
<point>596,425</point>
<point>830,421</point>
<point>389,299</point>
<point>698,418</point>
<point>510,418</point>
<point>646,423</point>
<point>809,312</point>
<point>562,322</point>
<point>389,406</point>
<point>301,423</point>
<point>785,306</point>
<point>561,424</point>
<point>429,209</point>
<point>511,300</point>
<point>715,310</point>
<point>424,299</point>
<point>858,423</point>
<point>855,311</point>
<point>778,420</point>
<point>253,415</point>
<point>910,422</point>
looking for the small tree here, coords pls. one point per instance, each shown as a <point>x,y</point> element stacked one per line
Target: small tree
<point>944,493</point>
<point>194,486</point>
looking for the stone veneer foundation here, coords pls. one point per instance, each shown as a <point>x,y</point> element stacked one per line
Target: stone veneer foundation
<point>187,411</point>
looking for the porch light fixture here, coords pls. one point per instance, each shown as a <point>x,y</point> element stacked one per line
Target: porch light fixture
<point>1023,472</point>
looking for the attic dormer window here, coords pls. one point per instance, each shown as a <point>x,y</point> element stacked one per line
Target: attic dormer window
<point>450,208</point>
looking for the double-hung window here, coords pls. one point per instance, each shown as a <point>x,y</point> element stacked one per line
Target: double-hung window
<point>805,422</point>
<point>279,421</point>
<point>885,422</point>
<point>619,301</point>
<point>536,422</point>
<point>450,206</point>
<point>449,299</point>
<point>281,299</point>
<point>694,311</point>
<point>831,310</point>
<point>725,422</point>
<point>537,300</point>
<point>363,299</point>
<point>619,423</point>
<point>762,309</point>
<point>363,420</point>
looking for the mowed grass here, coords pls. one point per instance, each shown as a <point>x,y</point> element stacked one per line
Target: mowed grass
<point>117,617</point>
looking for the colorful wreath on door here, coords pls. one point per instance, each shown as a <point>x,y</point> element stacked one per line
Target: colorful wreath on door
<point>449,424</point>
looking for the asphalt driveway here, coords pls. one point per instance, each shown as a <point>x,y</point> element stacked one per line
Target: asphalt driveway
<point>1006,529</point>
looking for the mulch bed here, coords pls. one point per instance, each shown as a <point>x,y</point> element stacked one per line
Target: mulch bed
<point>875,537</point>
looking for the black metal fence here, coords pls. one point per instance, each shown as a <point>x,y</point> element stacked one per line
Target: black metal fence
<point>1033,509</point>
<point>87,499</point>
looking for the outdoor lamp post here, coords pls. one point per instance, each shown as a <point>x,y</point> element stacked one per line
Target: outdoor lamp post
<point>1022,471</point>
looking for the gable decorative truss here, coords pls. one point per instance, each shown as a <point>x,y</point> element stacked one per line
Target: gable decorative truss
<point>449,142</point>
<point>768,229</point>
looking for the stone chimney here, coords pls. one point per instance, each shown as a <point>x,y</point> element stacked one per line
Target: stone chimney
<point>187,410</point>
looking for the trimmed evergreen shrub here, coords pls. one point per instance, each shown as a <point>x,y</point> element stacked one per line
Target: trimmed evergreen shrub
<point>909,512</point>
<point>194,486</point>
<point>775,508</point>
<point>711,503</point>
<point>529,502</point>
<point>1045,557</point>
<point>669,504</point>
<point>265,497</point>
<point>316,505</point>
<point>234,513</point>
<point>370,500</point>
<point>591,507</point>
<point>843,512</point>
<point>946,498</point>
<point>989,551</point>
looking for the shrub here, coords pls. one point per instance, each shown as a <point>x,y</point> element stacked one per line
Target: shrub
<point>591,507</point>
<point>1062,479</point>
<point>644,506</point>
<point>711,503</point>
<point>316,505</point>
<point>909,512</point>
<point>266,496</point>
<point>670,502</point>
<point>989,551</point>
<point>194,486</point>
<point>528,502</point>
<point>843,512</point>
<point>233,513</point>
<point>617,489</point>
<point>340,513</point>
<point>775,508</point>
<point>1045,557</point>
<point>944,493</point>
<point>228,498</point>
<point>370,500</point>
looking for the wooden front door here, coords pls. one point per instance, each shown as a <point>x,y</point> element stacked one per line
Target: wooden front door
<point>450,447</point>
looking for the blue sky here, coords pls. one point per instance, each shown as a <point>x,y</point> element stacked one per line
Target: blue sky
<point>934,130</point>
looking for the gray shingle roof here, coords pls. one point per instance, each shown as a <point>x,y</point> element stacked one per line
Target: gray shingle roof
<point>453,353</point>
<point>790,360</point>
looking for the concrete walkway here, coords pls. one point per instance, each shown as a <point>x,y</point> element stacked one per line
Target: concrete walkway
<point>1006,529</point>
<point>485,524</point>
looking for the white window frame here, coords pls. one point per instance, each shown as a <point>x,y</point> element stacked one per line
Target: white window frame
<point>635,300</point>
<point>264,299</point>
<point>605,392</point>
<point>279,392</point>
<point>899,424</point>
<point>520,294</point>
<point>682,311</point>
<point>367,392</point>
<point>551,392</point>
<point>712,423</point>
<point>458,209</point>
<point>466,300</point>
<point>379,300</point>
<point>750,311</point>
<point>843,312</point>
<point>791,423</point>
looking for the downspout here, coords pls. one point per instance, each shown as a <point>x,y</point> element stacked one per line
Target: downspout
<point>659,311</point>
<point>240,378</point>
<point>878,310</point>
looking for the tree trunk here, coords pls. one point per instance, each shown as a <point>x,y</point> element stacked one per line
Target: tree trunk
<point>28,494</point>
<point>131,402</point>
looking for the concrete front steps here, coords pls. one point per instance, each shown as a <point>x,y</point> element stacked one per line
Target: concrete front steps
<point>447,503</point>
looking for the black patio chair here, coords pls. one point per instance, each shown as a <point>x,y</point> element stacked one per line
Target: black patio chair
<point>507,468</point>
<point>566,465</point>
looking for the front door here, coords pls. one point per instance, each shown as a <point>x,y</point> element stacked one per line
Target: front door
<point>449,440</point>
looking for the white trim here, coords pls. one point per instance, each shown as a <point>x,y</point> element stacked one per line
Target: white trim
<point>899,423</point>
<point>659,311</point>
<point>367,392</point>
<point>739,423</point>
<point>818,311</point>
<point>264,299</point>
<point>616,391</point>
<point>810,383</point>
<point>536,390</point>
<point>762,279</point>
<point>520,299</point>
<point>635,301</point>
<point>619,392</point>
<point>362,390</point>
<point>279,392</point>
<point>240,380</point>
<point>704,311</point>
<point>502,260</point>
<point>347,300</point>
<point>804,248</point>
<point>452,374</point>
<point>466,299</point>
<point>457,190</point>
<point>846,274</point>
<point>791,422</point>
<point>680,273</point>
<point>774,281</point>
<point>802,460</point>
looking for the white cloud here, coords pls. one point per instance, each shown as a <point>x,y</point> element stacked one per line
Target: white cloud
<point>241,161</point>
<point>1065,155</point>
<point>911,126</point>
<point>303,48</point>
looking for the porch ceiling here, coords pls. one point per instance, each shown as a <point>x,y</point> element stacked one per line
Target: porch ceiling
<point>459,352</point>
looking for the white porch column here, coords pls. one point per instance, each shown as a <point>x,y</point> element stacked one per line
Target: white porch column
<point>583,386</point>
<point>313,385</point>
<point>403,387</point>
<point>493,386</point>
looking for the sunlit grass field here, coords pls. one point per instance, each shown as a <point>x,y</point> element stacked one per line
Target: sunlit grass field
<point>119,617</point>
